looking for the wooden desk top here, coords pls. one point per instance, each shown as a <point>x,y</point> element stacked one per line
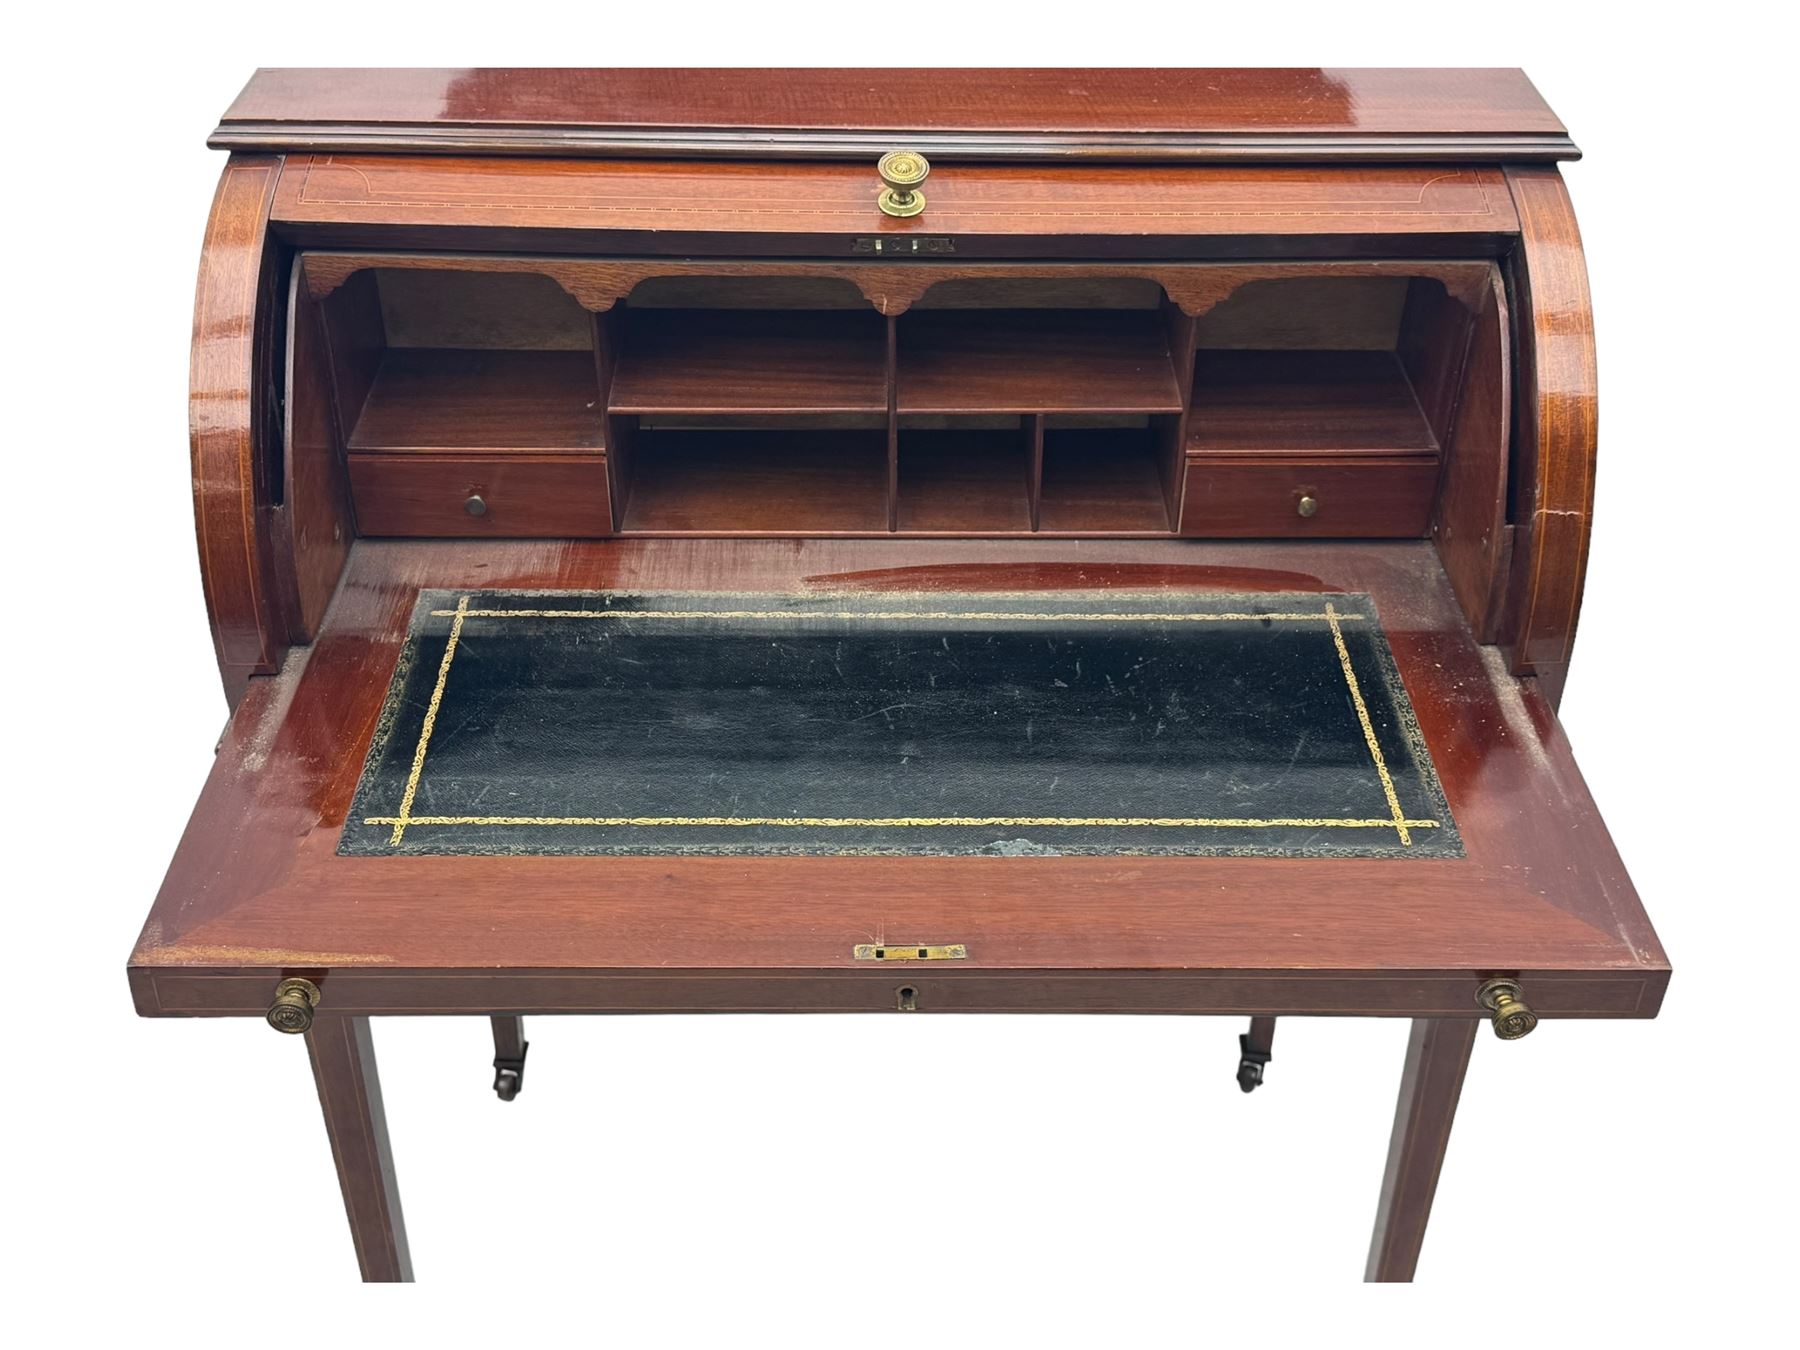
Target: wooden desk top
<point>1308,113</point>
<point>258,888</point>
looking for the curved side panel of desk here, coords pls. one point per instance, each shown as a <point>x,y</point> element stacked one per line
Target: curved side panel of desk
<point>234,308</point>
<point>1557,428</point>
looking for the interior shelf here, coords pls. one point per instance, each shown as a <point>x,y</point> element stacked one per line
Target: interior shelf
<point>757,482</point>
<point>1305,402</point>
<point>1104,480</point>
<point>964,482</point>
<point>1025,361</point>
<point>764,406</point>
<point>426,399</point>
<point>751,362</point>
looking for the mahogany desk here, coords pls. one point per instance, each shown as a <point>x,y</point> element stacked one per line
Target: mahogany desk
<point>657,564</point>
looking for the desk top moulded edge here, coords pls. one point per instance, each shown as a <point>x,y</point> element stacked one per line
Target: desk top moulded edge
<point>1144,115</point>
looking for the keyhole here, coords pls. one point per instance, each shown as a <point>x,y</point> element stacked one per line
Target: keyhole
<point>907,998</point>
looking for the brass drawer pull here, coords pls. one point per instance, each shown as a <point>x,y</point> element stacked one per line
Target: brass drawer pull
<point>1505,1001</point>
<point>903,171</point>
<point>292,1010</point>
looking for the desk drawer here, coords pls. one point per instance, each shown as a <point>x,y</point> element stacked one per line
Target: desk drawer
<point>1264,497</point>
<point>515,497</point>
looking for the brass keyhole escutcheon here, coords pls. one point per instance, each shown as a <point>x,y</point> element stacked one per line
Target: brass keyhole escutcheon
<point>902,171</point>
<point>1505,1000</point>
<point>906,998</point>
<point>292,1010</point>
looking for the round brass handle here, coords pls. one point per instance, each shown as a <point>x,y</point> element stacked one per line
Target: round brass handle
<point>1307,506</point>
<point>1504,1000</point>
<point>292,1010</point>
<point>902,171</point>
<point>476,505</point>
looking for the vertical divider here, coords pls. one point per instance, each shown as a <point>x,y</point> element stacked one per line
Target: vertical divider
<point>893,423</point>
<point>1184,338</point>
<point>616,431</point>
<point>1033,425</point>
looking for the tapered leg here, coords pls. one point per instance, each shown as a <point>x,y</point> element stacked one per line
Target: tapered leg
<point>1437,1057</point>
<point>510,1046</point>
<point>343,1061</point>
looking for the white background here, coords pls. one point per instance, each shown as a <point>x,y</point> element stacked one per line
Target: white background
<point>906,1181</point>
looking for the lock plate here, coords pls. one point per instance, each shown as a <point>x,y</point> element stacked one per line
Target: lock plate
<point>919,951</point>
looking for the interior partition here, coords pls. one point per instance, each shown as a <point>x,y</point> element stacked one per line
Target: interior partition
<point>1296,405</point>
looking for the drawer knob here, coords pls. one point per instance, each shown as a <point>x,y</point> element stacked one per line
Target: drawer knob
<point>475,506</point>
<point>292,1010</point>
<point>1505,1002</point>
<point>902,171</point>
<point>1307,506</point>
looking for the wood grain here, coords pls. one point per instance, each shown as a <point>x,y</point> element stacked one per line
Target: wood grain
<point>427,400</point>
<point>1469,522</point>
<point>257,888</point>
<point>601,283</point>
<point>722,208</point>
<point>970,482</point>
<point>1557,431</point>
<point>1437,1057</point>
<point>1103,481</point>
<point>523,496</point>
<point>1305,403</point>
<point>1258,496</point>
<point>227,423</point>
<point>312,528</point>
<point>1026,361</point>
<point>1139,114</point>
<point>750,482</point>
<point>343,1064</point>
<point>748,362</point>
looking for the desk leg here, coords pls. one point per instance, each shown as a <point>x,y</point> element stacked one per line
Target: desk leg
<point>343,1061</point>
<point>1437,1057</point>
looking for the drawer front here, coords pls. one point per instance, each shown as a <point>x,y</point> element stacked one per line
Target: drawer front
<point>1271,498</point>
<point>516,497</point>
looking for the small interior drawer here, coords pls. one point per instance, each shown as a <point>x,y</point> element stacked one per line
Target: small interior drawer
<point>1265,496</point>
<point>516,496</point>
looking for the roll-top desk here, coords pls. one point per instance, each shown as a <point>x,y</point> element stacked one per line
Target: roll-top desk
<point>861,541</point>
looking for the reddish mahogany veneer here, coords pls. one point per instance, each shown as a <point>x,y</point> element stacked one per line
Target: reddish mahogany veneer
<point>1275,332</point>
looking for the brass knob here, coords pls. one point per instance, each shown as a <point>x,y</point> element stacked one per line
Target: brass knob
<point>903,171</point>
<point>1307,506</point>
<point>1504,999</point>
<point>476,505</point>
<point>292,1010</point>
